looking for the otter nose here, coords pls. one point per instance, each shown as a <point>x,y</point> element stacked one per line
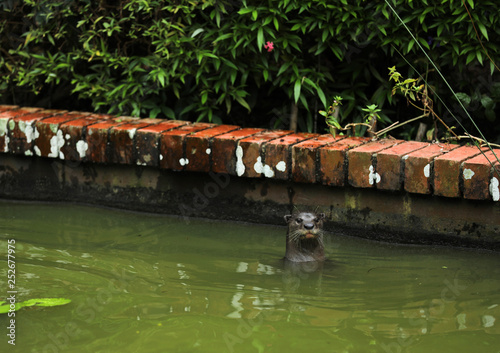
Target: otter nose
<point>308,226</point>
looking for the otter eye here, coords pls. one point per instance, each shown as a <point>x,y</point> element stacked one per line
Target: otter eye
<point>316,220</point>
<point>299,220</point>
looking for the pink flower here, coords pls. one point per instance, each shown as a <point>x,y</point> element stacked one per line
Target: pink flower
<point>269,46</point>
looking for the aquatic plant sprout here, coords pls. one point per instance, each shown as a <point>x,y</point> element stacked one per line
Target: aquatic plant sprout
<point>450,88</point>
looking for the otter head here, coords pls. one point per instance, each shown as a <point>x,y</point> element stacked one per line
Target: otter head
<point>305,236</point>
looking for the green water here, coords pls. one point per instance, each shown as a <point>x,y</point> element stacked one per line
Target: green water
<point>150,283</point>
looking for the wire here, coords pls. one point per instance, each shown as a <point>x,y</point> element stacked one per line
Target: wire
<point>450,88</point>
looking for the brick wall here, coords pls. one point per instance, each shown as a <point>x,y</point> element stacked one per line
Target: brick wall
<point>388,165</point>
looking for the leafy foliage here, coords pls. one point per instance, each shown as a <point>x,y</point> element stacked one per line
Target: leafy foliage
<point>243,62</point>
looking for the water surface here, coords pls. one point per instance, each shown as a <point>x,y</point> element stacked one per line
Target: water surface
<point>151,283</point>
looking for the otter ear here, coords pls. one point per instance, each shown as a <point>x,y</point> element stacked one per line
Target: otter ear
<point>287,218</point>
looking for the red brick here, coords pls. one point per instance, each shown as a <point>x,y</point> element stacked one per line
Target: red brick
<point>199,147</point>
<point>224,156</point>
<point>277,155</point>
<point>4,108</point>
<point>23,132</point>
<point>305,155</point>
<point>252,150</point>
<point>447,169</point>
<point>121,140</point>
<point>50,138</point>
<point>18,112</point>
<point>147,141</point>
<point>97,140</point>
<point>361,173</point>
<point>7,124</point>
<point>477,175</point>
<point>390,164</point>
<point>172,145</point>
<point>75,131</point>
<point>418,168</point>
<point>332,160</point>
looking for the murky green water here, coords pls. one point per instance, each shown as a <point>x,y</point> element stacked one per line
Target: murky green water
<point>149,283</point>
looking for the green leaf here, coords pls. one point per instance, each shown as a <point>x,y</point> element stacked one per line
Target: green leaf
<point>470,57</point>
<point>487,102</point>
<point>490,115</point>
<point>196,32</point>
<point>245,10</point>
<point>479,57</point>
<point>309,82</point>
<point>483,30</point>
<point>267,21</point>
<point>276,24</point>
<point>169,113</point>
<point>385,12</point>
<point>284,67</point>
<point>410,45</point>
<point>47,302</point>
<point>5,307</point>
<point>321,96</point>
<point>424,43</point>
<point>296,89</point>
<point>254,15</point>
<point>243,102</point>
<point>260,39</point>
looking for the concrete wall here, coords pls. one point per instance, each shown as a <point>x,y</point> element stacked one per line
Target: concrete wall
<point>391,190</point>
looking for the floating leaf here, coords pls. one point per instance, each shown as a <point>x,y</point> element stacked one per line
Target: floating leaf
<point>5,307</point>
<point>47,302</point>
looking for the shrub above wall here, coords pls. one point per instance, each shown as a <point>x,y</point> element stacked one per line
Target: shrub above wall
<point>246,62</point>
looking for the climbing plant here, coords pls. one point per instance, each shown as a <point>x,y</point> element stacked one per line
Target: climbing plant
<point>248,62</point>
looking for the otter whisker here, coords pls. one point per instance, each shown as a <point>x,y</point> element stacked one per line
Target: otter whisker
<point>305,237</point>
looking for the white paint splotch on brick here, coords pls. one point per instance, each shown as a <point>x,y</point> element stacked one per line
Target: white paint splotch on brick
<point>258,166</point>
<point>468,174</point>
<point>56,142</point>
<point>373,177</point>
<point>30,131</point>
<point>262,168</point>
<point>6,147</point>
<point>281,166</point>
<point>494,189</point>
<point>82,147</point>
<point>3,127</point>
<point>268,171</point>
<point>240,167</point>
<point>427,170</point>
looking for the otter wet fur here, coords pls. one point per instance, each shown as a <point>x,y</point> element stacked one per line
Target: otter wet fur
<point>304,239</point>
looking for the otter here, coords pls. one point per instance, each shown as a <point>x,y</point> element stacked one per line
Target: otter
<point>304,239</point>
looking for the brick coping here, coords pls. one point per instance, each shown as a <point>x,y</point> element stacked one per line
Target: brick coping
<point>442,170</point>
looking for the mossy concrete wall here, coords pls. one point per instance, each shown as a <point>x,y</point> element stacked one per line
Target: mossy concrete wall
<point>391,190</point>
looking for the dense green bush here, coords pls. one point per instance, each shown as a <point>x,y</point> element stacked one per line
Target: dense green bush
<point>211,60</point>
